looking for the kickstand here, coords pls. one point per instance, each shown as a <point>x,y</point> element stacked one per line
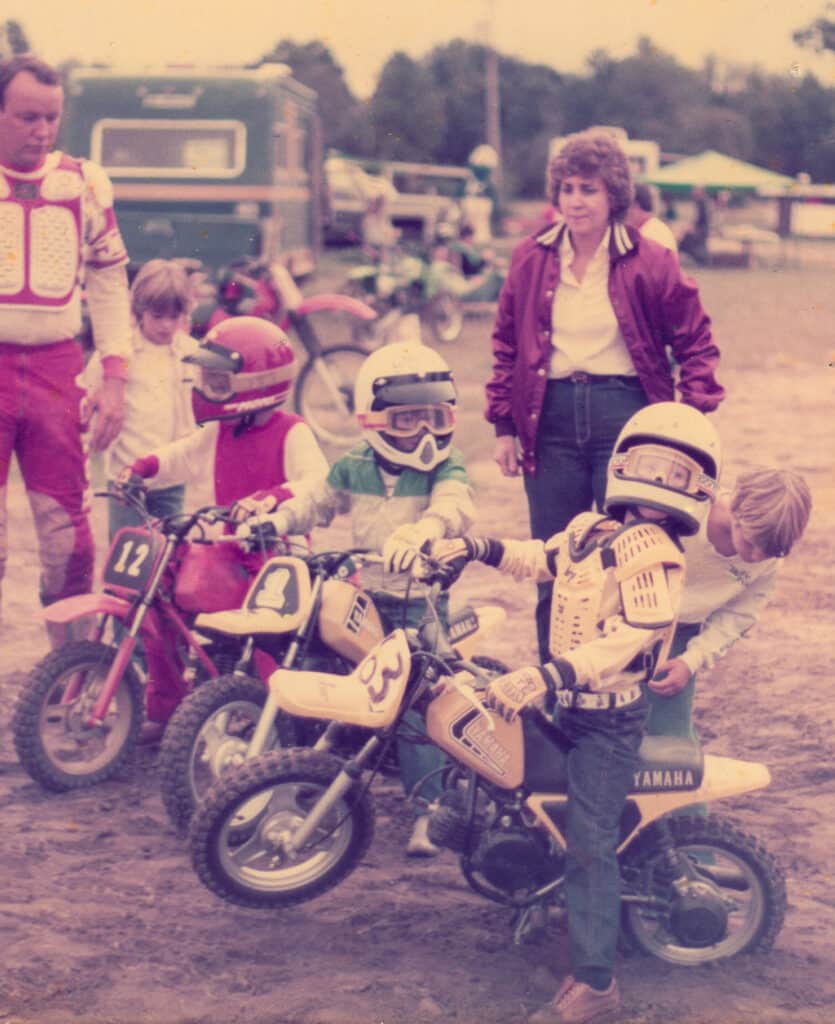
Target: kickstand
<point>530,925</point>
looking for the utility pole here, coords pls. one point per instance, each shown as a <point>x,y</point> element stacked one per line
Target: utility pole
<point>492,109</point>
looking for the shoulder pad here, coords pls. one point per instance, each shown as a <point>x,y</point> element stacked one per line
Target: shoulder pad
<point>98,183</point>
<point>649,569</point>
<point>638,545</point>
<point>581,528</point>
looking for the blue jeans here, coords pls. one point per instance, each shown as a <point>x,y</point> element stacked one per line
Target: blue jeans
<point>416,754</point>
<point>167,501</point>
<point>600,765</point>
<point>580,423</point>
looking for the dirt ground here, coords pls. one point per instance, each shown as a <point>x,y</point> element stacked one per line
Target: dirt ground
<point>103,921</point>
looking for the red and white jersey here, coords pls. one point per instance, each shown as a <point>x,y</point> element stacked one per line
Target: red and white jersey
<point>56,225</point>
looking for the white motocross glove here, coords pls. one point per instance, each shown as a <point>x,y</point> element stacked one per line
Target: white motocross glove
<point>264,527</point>
<point>510,693</point>
<point>403,546</point>
<point>251,506</point>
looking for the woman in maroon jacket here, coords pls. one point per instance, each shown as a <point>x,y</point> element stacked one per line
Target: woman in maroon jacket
<point>594,322</point>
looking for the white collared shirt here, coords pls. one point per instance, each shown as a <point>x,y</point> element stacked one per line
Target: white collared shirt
<point>584,331</point>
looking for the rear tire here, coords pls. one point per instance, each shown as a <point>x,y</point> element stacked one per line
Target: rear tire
<point>330,417</point>
<point>52,741</point>
<point>445,318</point>
<point>238,833</point>
<point>750,883</point>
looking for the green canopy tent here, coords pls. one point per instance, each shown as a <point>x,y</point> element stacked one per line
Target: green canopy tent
<point>716,172</point>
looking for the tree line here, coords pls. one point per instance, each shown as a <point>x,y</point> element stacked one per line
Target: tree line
<point>432,109</point>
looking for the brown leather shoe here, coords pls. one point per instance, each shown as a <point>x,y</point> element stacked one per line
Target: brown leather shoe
<point>578,1003</point>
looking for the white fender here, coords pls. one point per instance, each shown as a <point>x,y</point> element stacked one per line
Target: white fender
<point>723,777</point>
<point>370,696</point>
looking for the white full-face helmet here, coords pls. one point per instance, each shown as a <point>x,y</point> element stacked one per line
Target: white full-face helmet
<point>667,457</point>
<point>404,397</point>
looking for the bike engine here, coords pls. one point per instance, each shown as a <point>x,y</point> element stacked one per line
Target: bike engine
<point>698,916</point>
<point>512,857</point>
<point>449,826</point>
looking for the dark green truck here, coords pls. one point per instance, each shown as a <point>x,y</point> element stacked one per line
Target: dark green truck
<point>208,164</point>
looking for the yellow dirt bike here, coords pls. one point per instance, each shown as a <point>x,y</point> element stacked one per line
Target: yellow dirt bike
<point>307,611</point>
<point>290,825</point>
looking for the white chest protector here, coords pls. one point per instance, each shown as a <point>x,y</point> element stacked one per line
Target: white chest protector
<point>603,568</point>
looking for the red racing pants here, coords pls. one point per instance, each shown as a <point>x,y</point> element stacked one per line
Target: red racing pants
<point>40,424</point>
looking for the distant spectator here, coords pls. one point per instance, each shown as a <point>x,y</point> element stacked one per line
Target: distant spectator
<point>379,235</point>
<point>694,241</point>
<point>641,215</point>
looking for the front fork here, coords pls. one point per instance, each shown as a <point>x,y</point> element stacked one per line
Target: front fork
<point>340,787</point>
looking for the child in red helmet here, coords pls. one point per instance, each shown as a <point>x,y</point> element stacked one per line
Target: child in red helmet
<point>246,449</point>
<point>246,452</point>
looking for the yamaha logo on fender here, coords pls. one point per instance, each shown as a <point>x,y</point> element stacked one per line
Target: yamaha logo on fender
<point>657,779</point>
<point>356,613</point>
<point>471,731</point>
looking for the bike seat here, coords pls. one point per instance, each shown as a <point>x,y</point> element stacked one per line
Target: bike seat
<point>242,622</point>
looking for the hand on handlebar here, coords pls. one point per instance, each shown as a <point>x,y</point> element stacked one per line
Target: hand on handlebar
<point>446,559</point>
<point>264,528</point>
<point>511,693</point>
<point>251,506</point>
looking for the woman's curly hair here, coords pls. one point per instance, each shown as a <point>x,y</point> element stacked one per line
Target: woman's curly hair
<point>590,154</point>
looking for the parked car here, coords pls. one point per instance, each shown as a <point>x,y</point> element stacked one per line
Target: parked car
<point>416,213</point>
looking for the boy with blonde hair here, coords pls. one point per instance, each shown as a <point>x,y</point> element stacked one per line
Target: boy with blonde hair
<point>157,398</point>
<point>732,567</point>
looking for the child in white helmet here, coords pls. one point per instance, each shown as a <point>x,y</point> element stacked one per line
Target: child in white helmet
<point>403,485</point>
<point>617,582</point>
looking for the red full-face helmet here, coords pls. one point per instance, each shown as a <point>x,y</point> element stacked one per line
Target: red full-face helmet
<point>244,365</point>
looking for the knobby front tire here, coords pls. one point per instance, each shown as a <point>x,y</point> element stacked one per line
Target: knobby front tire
<point>209,734</point>
<point>238,833</point>
<point>53,740</point>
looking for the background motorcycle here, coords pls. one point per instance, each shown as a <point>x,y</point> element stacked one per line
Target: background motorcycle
<point>313,615</point>
<point>402,284</point>
<point>79,712</point>
<point>324,390</point>
<point>290,825</point>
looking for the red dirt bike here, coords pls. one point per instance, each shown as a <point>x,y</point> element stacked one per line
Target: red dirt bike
<point>79,713</point>
<point>308,610</point>
<point>324,390</point>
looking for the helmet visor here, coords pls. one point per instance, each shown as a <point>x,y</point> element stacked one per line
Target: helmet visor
<point>666,467</point>
<point>414,389</point>
<point>407,420</point>
<point>219,385</point>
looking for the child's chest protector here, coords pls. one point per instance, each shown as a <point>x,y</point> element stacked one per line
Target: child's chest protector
<point>604,569</point>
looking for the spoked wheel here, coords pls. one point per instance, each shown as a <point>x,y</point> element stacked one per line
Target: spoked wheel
<point>239,835</point>
<point>53,737</point>
<point>324,395</point>
<point>208,735</point>
<point>736,906</point>
<point>445,318</point>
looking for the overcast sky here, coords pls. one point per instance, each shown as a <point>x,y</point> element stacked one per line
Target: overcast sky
<point>362,34</point>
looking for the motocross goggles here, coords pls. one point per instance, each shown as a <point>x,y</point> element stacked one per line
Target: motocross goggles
<point>665,467</point>
<point>407,420</point>
<point>218,377</point>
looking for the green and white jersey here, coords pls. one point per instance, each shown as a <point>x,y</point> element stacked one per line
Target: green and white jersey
<point>355,485</point>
